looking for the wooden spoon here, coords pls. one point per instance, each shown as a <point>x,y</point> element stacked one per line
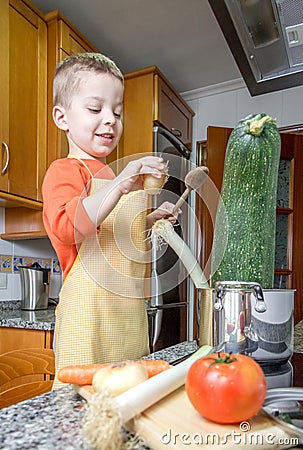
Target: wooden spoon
<point>193,180</point>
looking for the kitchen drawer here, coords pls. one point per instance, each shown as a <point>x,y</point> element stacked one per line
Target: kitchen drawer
<point>171,112</point>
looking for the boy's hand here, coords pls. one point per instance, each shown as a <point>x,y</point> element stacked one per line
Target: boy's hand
<point>130,178</point>
<point>163,212</point>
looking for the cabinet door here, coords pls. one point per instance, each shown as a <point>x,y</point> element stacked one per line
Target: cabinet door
<point>71,42</point>
<point>172,112</point>
<point>63,40</point>
<point>4,92</point>
<point>289,240</point>
<point>26,86</point>
<point>213,157</point>
<point>19,338</point>
<point>137,114</point>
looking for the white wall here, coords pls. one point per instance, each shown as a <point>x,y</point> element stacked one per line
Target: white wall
<point>225,104</point>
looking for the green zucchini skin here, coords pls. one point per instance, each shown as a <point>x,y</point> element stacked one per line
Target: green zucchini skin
<point>246,216</point>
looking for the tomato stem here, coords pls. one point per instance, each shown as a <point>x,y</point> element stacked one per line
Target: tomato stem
<point>226,360</point>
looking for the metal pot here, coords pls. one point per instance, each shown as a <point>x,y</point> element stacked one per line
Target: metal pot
<point>264,331</point>
<point>34,287</point>
<point>226,314</point>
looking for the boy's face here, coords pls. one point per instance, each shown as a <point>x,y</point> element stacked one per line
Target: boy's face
<point>93,121</point>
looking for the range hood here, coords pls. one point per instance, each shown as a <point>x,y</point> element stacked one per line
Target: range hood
<point>266,40</point>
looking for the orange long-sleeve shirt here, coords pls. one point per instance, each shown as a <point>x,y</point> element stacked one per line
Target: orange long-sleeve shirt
<point>66,183</point>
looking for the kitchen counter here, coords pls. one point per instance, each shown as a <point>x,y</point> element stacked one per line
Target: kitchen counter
<point>52,421</point>
<point>11,316</point>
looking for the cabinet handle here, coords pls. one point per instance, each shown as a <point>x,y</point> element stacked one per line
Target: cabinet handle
<point>176,132</point>
<point>7,158</point>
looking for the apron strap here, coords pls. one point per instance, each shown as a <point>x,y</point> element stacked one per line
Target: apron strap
<point>81,161</point>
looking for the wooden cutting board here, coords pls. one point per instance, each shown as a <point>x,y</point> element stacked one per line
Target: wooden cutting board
<point>173,423</point>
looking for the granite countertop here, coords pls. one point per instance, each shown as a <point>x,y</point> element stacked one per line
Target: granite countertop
<point>11,316</point>
<point>52,421</point>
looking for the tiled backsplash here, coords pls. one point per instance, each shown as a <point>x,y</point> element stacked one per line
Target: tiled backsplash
<point>9,264</point>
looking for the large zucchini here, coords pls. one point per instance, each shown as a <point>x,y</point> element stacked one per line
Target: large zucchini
<point>247,213</point>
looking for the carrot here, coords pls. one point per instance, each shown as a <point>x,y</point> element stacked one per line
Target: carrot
<point>154,366</point>
<point>82,374</point>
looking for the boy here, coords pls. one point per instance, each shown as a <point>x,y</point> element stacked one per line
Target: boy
<point>97,221</point>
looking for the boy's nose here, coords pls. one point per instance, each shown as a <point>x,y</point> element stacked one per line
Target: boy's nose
<point>109,118</point>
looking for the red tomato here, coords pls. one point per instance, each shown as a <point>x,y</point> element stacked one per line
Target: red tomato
<point>226,388</point>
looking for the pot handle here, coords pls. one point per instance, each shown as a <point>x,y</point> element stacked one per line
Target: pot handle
<point>260,305</point>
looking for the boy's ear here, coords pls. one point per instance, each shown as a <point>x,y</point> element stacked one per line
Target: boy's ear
<point>59,117</point>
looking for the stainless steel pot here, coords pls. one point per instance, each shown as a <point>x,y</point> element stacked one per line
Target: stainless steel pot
<point>225,315</point>
<point>34,287</point>
<point>228,319</point>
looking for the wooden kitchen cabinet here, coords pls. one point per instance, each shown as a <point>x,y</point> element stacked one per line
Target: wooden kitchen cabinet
<point>20,338</point>
<point>172,111</point>
<point>23,78</point>
<point>288,269</point>
<point>148,98</point>
<point>60,39</point>
<point>63,39</point>
<point>22,102</point>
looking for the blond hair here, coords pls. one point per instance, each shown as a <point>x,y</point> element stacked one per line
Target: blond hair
<point>68,74</point>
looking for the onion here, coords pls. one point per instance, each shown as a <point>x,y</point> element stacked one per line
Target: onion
<point>119,377</point>
<point>154,185</point>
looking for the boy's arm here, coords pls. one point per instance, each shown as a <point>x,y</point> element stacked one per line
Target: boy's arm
<point>62,189</point>
<point>102,202</point>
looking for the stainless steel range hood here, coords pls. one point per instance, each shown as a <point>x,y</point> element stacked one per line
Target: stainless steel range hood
<point>266,40</point>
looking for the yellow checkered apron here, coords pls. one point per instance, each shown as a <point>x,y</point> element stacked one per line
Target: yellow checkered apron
<point>101,316</point>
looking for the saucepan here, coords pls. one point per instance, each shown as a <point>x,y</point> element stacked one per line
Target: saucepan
<point>250,320</point>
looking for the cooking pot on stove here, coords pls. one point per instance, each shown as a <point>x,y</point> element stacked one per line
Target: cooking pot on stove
<point>34,287</point>
<point>228,317</point>
<point>244,318</point>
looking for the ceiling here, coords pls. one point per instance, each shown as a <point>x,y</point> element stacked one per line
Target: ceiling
<point>180,37</point>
